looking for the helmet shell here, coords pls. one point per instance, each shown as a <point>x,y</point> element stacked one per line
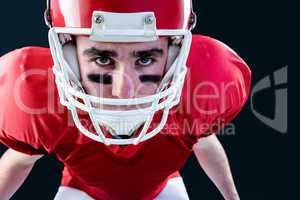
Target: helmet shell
<point>170,14</point>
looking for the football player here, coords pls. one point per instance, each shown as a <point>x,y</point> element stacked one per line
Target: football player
<point>123,97</point>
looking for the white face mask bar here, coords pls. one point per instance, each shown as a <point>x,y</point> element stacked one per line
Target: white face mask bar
<point>116,27</point>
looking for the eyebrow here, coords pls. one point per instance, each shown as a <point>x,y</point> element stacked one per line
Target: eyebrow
<point>93,51</point>
<point>150,52</point>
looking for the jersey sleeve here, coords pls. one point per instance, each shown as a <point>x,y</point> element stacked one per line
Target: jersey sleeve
<point>23,96</point>
<point>216,89</point>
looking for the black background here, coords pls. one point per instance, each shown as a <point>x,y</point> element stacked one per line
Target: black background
<point>259,156</point>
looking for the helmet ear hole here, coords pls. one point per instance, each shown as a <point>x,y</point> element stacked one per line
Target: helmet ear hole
<point>70,54</point>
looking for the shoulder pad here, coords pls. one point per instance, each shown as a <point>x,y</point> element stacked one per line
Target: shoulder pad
<point>217,84</point>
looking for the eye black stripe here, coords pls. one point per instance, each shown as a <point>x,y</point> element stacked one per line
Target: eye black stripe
<point>150,78</point>
<point>100,78</point>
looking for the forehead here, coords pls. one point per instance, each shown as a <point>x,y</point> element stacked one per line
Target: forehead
<point>84,42</point>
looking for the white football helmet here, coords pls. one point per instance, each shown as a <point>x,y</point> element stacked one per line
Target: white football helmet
<point>119,21</point>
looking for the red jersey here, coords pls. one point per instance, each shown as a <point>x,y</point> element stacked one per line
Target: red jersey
<point>32,121</point>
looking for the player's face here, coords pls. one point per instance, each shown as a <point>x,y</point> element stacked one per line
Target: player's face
<point>121,70</point>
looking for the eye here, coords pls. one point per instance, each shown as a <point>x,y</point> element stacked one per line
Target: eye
<point>146,61</point>
<point>103,61</point>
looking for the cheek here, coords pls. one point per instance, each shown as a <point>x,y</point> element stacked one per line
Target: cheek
<point>92,88</point>
<point>150,88</point>
<point>98,90</point>
<point>86,67</point>
<point>157,68</point>
<point>146,89</point>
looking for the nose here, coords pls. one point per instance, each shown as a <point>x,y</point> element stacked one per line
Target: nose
<point>123,84</point>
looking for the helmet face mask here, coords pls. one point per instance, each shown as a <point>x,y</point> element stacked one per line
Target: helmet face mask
<point>109,21</point>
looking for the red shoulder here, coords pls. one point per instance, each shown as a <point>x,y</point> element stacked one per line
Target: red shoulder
<point>211,56</point>
<point>217,84</point>
<point>28,96</point>
<point>25,75</point>
<point>26,58</point>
